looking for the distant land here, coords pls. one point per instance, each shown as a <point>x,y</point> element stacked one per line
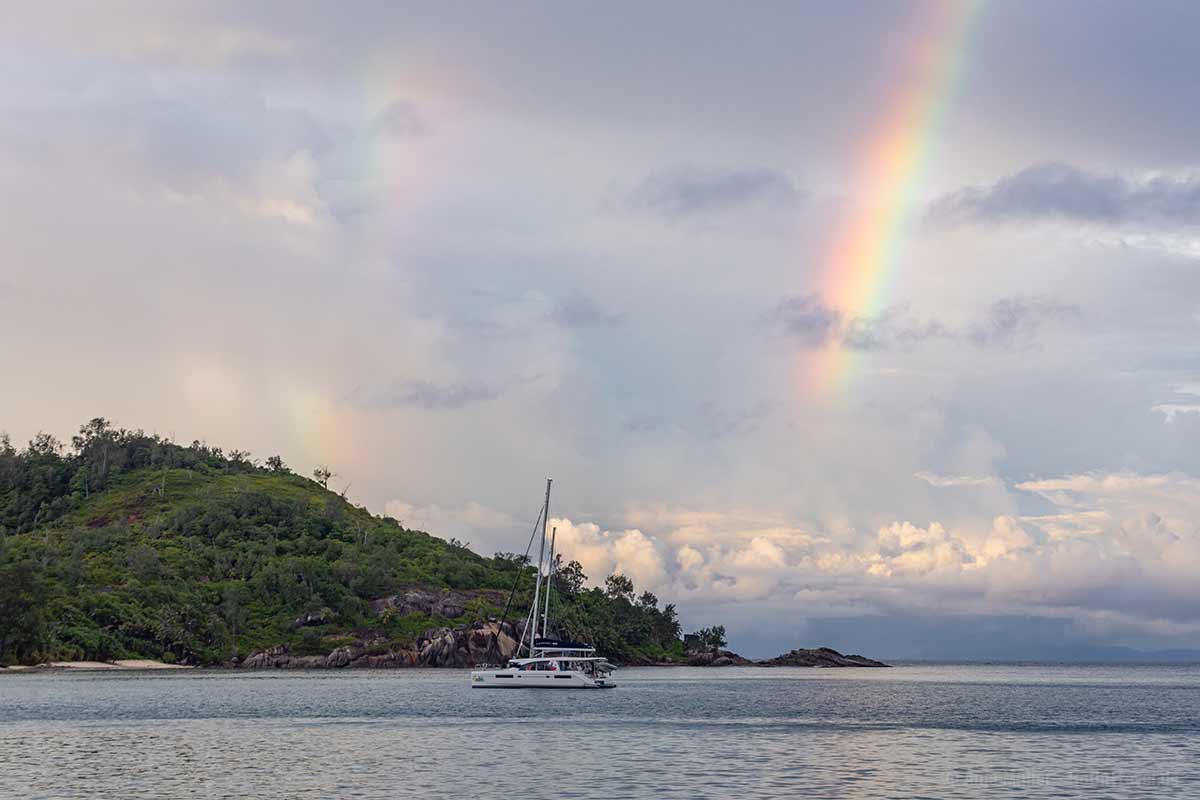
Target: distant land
<point>1070,654</point>
<point>127,547</point>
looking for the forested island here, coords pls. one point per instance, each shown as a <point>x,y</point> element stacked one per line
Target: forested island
<point>124,545</point>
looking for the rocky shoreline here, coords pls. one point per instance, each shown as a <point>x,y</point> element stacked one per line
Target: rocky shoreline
<point>483,643</point>
<point>800,657</point>
<point>494,643</point>
<point>486,643</point>
<point>458,647</point>
<point>489,642</point>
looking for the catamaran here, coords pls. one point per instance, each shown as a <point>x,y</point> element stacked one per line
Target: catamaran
<point>547,663</point>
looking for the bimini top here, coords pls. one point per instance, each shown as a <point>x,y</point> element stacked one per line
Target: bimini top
<point>555,644</point>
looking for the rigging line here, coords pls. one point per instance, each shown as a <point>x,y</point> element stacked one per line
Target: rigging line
<point>517,580</point>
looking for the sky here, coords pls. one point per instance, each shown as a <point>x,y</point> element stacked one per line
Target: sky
<point>867,325</point>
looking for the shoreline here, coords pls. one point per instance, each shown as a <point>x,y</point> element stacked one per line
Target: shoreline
<point>279,658</point>
<point>145,665</point>
<point>120,665</point>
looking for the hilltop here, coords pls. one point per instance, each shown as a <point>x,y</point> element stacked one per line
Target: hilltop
<point>128,546</point>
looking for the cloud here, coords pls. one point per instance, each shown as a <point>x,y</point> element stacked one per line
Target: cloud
<point>200,197</point>
<point>1010,323</point>
<point>706,422</point>
<point>1014,322</point>
<point>686,192</point>
<point>1172,410</point>
<point>577,310</point>
<point>890,329</point>
<point>604,552</point>
<point>189,137</point>
<point>1183,406</point>
<point>1117,543</point>
<point>423,395</point>
<point>400,119</point>
<point>947,481</point>
<point>1062,191</point>
<point>715,422</point>
<point>907,550</point>
<point>807,319</point>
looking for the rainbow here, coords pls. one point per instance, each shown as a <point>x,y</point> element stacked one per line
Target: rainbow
<point>859,267</point>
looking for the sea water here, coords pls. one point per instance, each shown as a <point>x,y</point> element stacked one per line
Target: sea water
<point>943,731</point>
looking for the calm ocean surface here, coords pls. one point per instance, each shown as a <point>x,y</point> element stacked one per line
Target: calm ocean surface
<point>912,731</point>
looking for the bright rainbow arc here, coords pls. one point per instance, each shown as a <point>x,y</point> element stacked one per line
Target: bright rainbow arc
<point>861,260</point>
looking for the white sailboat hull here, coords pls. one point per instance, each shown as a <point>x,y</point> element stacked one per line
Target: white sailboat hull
<point>536,679</point>
<point>551,664</point>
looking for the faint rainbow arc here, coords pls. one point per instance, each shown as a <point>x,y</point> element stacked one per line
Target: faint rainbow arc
<point>859,267</point>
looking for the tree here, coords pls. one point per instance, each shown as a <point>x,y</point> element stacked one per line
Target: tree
<point>95,444</point>
<point>648,600</point>
<point>322,474</point>
<point>712,638</point>
<point>44,446</point>
<point>275,464</point>
<point>97,431</point>
<point>569,580</point>
<point>617,585</point>
<point>667,628</point>
<point>21,603</point>
<point>234,613</point>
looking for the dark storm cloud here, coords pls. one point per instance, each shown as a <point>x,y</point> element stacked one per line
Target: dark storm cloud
<point>1062,191</point>
<point>690,191</point>
<point>423,395</point>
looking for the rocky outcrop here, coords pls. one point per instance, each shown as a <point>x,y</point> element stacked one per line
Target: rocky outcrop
<point>489,642</point>
<point>446,603</point>
<point>322,617</point>
<point>272,657</point>
<point>716,658</point>
<point>820,657</point>
<point>464,646</point>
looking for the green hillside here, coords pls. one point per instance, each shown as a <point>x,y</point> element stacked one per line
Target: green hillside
<point>124,545</point>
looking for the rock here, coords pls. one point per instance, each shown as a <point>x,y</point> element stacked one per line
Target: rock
<point>273,657</point>
<point>464,646</point>
<point>448,603</point>
<point>305,662</point>
<point>716,658</point>
<point>322,617</point>
<point>343,656</point>
<point>820,657</point>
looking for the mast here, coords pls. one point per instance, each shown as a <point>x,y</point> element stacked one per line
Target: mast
<point>537,586</point>
<point>549,576</point>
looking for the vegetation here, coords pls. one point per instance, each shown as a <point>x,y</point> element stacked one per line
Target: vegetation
<point>711,638</point>
<point>127,545</point>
